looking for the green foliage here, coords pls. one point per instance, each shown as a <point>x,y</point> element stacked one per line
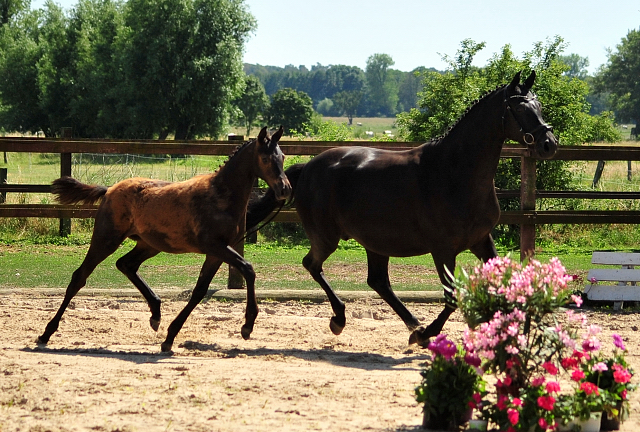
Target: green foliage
<point>253,102</point>
<point>382,92</point>
<point>292,109</point>
<point>620,77</point>
<point>348,102</point>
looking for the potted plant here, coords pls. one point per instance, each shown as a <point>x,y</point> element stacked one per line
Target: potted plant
<point>449,382</point>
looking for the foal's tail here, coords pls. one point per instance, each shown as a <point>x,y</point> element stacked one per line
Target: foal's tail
<point>70,191</point>
<point>261,207</point>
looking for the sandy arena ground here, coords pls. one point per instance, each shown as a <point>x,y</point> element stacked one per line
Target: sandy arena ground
<point>103,370</point>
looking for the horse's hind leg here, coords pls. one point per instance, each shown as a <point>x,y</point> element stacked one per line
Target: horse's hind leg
<point>313,263</point>
<point>208,271</point>
<point>99,250</point>
<point>378,279</point>
<point>442,262</point>
<point>129,265</point>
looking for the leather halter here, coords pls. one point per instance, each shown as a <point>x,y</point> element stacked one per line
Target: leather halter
<point>527,137</point>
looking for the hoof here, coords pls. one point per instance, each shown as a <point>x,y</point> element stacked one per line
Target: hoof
<point>41,340</point>
<point>420,337</point>
<point>335,326</point>
<point>245,331</point>
<point>155,323</point>
<point>166,346</point>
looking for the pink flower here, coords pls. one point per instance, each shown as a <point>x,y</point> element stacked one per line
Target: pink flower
<point>513,415</point>
<point>546,402</point>
<point>623,394</point>
<point>552,387</point>
<point>577,300</point>
<point>502,402</point>
<point>550,368</point>
<point>591,344</point>
<point>569,363</point>
<point>538,381</point>
<point>472,359</point>
<point>617,341</point>
<point>600,367</point>
<point>517,402</point>
<point>577,375</point>
<point>443,346</point>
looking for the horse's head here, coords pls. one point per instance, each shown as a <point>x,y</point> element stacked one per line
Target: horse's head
<point>270,160</point>
<point>523,118</point>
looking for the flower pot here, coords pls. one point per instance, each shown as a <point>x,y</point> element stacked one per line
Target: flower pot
<point>610,423</point>
<point>477,426</point>
<point>444,423</point>
<point>592,424</point>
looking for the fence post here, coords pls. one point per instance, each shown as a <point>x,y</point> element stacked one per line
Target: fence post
<point>527,202</point>
<point>236,281</point>
<point>3,180</point>
<point>65,170</point>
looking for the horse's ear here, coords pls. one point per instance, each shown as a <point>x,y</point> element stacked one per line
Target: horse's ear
<point>262,135</point>
<point>277,135</point>
<point>515,81</point>
<point>529,82</point>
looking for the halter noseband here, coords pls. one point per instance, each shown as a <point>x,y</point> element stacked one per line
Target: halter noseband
<point>528,137</point>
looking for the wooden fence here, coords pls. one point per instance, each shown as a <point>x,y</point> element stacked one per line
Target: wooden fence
<point>527,217</point>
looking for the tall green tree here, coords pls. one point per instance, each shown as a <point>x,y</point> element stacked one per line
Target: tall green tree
<point>382,91</point>
<point>9,8</point>
<point>577,65</point>
<point>620,76</point>
<point>292,109</point>
<point>182,61</point>
<point>253,102</point>
<point>348,102</point>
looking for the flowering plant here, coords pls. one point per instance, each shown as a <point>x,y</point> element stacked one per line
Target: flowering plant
<point>449,382</point>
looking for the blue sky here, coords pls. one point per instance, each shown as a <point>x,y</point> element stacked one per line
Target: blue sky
<point>418,32</point>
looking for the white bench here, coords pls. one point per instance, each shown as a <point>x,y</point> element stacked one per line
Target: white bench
<point>625,276</point>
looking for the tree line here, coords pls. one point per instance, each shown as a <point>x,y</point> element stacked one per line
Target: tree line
<point>154,68</point>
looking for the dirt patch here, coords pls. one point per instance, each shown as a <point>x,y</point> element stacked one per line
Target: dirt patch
<point>103,370</point>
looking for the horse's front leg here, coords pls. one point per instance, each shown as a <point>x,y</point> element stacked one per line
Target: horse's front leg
<point>422,335</point>
<point>208,271</point>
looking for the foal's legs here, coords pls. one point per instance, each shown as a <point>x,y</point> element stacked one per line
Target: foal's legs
<point>129,265</point>
<point>378,279</point>
<point>442,261</point>
<point>313,263</point>
<point>212,263</point>
<point>101,247</point>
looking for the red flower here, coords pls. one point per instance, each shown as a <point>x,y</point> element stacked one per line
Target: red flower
<point>577,375</point>
<point>569,363</point>
<point>622,376</point>
<point>537,382</point>
<point>546,402</point>
<point>553,387</point>
<point>550,368</point>
<point>623,394</point>
<point>543,423</point>
<point>589,388</point>
<point>517,402</point>
<point>502,402</point>
<point>514,416</point>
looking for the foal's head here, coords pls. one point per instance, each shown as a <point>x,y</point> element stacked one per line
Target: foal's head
<point>270,160</point>
<point>523,118</point>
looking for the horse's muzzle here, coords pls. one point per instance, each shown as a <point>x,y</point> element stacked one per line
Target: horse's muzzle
<point>282,189</point>
<point>546,145</point>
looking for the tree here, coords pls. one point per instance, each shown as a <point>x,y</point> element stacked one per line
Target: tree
<point>9,8</point>
<point>348,102</point>
<point>577,65</point>
<point>292,109</point>
<point>182,62</point>
<point>253,102</point>
<point>382,92</point>
<point>620,75</point>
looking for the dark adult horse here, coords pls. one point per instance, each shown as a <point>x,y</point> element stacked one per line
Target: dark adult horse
<point>199,215</point>
<point>438,198</point>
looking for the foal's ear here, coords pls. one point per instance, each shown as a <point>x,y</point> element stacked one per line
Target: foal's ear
<point>262,136</point>
<point>515,82</point>
<point>529,82</point>
<point>277,135</point>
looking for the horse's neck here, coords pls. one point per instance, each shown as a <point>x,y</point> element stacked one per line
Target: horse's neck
<point>237,175</point>
<point>475,142</point>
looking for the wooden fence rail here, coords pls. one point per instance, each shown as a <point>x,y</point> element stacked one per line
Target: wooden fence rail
<point>526,218</point>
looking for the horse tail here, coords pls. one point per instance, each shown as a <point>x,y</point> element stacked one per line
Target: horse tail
<point>261,207</point>
<point>70,191</point>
